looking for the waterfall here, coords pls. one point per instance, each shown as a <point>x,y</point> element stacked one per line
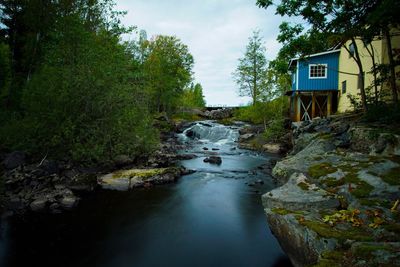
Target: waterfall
<point>211,132</point>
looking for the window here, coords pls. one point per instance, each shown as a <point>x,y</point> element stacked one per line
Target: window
<point>344,85</point>
<point>318,71</point>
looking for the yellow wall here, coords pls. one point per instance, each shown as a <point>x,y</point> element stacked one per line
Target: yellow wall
<point>348,65</point>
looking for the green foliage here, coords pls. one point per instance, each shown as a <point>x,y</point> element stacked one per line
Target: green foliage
<point>192,97</point>
<point>262,112</point>
<point>81,101</point>
<point>167,71</point>
<point>275,130</point>
<point>251,72</point>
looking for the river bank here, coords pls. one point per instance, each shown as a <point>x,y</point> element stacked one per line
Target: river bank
<point>339,200</point>
<point>212,217</point>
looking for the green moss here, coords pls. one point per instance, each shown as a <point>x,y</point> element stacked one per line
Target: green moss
<point>332,182</point>
<point>281,211</point>
<point>140,173</point>
<point>372,202</point>
<point>322,169</point>
<point>365,251</point>
<point>333,255</point>
<point>363,189</point>
<point>325,136</point>
<point>304,186</point>
<point>327,231</point>
<point>392,177</point>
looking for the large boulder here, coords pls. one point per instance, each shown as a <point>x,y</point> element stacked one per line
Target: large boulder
<point>285,205</point>
<point>299,194</point>
<point>303,159</point>
<point>213,160</point>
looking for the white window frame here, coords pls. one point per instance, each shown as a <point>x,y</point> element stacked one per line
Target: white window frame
<point>313,65</point>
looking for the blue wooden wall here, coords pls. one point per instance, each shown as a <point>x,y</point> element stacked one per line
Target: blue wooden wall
<point>329,83</point>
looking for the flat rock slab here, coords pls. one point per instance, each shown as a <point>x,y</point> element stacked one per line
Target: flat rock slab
<point>299,194</point>
<point>126,179</point>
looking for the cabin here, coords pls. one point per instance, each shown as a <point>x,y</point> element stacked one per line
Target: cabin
<point>314,91</point>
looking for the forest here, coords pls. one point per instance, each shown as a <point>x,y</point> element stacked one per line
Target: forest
<point>71,86</point>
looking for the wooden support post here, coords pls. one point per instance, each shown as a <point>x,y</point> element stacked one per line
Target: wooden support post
<point>298,108</point>
<point>329,104</point>
<point>313,99</point>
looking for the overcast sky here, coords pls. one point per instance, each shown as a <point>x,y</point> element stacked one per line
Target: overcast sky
<point>216,32</point>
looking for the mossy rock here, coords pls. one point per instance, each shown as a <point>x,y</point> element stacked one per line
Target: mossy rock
<point>143,174</point>
<point>283,212</point>
<point>392,177</point>
<point>326,231</point>
<point>321,169</point>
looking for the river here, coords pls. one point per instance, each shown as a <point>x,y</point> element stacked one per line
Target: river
<point>209,218</point>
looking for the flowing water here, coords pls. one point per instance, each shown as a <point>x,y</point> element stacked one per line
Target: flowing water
<point>209,218</point>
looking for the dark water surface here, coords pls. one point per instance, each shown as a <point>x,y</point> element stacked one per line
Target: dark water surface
<point>209,218</point>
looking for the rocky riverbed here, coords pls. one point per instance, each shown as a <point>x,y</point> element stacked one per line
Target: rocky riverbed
<point>339,200</point>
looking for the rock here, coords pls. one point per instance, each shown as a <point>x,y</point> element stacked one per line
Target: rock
<point>246,137</point>
<point>39,204</point>
<point>69,201</point>
<point>302,160</point>
<point>126,179</point>
<point>14,159</point>
<point>49,167</point>
<point>302,245</point>
<point>186,156</point>
<point>213,160</point>
<point>114,183</point>
<point>299,194</point>
<point>219,114</point>
<point>190,134</point>
<point>253,129</point>
<point>182,126</point>
<point>272,148</point>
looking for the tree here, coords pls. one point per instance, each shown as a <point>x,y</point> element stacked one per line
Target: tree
<point>345,20</point>
<point>81,100</point>
<point>348,20</point>
<point>250,74</point>
<point>193,96</point>
<point>168,70</point>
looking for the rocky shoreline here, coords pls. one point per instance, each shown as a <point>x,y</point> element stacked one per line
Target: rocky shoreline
<point>50,186</point>
<point>339,200</point>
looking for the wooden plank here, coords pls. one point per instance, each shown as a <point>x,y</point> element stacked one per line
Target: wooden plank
<point>298,108</point>
<point>313,106</point>
<point>329,104</point>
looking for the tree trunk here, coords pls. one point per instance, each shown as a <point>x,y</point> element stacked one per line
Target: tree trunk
<point>371,52</point>
<point>360,76</point>
<point>392,67</point>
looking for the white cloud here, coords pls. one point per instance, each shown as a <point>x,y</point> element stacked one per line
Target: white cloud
<point>216,32</point>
